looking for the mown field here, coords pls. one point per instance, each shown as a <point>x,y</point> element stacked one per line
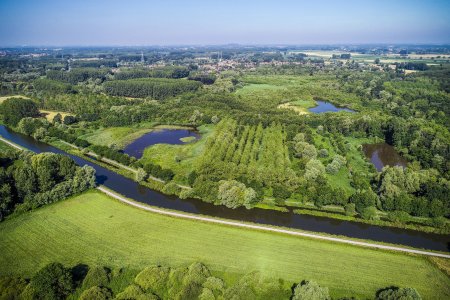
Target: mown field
<point>93,228</point>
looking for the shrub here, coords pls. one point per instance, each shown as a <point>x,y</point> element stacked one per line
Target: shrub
<point>398,216</point>
<point>96,276</point>
<point>153,279</point>
<point>135,292</point>
<point>53,281</point>
<point>350,209</point>
<point>308,290</point>
<point>171,188</point>
<point>11,287</point>
<point>398,294</point>
<point>370,213</point>
<point>96,293</point>
<point>323,153</point>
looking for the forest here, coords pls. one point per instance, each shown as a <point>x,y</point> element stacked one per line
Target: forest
<point>256,154</point>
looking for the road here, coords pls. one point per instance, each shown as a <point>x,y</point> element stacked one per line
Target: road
<point>266,228</point>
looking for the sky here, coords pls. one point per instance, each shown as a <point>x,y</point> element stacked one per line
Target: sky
<point>198,22</point>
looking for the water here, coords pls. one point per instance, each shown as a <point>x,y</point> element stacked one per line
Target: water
<point>159,136</point>
<point>323,107</point>
<point>133,190</point>
<point>382,154</point>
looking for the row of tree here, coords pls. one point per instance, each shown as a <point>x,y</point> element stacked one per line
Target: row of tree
<point>55,281</point>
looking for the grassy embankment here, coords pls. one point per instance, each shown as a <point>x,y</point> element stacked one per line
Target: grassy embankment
<point>93,228</point>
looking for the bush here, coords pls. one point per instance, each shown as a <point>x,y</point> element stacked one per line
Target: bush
<point>350,209</point>
<point>308,290</point>
<point>135,292</point>
<point>96,276</point>
<point>96,293</point>
<point>171,188</point>
<point>153,279</point>
<point>323,153</point>
<point>11,287</point>
<point>370,213</point>
<point>398,294</point>
<point>398,216</point>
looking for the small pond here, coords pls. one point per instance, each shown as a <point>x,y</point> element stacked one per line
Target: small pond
<point>323,107</point>
<point>382,154</point>
<point>158,136</point>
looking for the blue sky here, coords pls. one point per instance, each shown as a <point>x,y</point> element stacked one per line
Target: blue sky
<point>169,22</point>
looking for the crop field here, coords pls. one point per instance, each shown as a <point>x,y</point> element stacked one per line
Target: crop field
<point>93,228</point>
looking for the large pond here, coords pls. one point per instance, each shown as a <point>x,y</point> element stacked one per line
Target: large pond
<point>158,136</point>
<point>133,190</point>
<point>323,107</point>
<point>382,154</point>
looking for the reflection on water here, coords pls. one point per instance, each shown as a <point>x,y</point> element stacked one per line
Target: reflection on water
<point>383,154</point>
<point>323,107</point>
<point>159,136</point>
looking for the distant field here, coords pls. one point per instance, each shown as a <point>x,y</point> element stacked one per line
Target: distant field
<point>3,98</point>
<point>92,228</point>
<point>49,114</point>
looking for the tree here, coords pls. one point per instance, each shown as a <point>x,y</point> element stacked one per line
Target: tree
<point>370,213</point>
<point>323,153</point>
<point>233,194</point>
<point>69,120</point>
<point>14,109</point>
<point>53,281</point>
<point>350,209</point>
<point>399,294</point>
<point>57,118</point>
<point>141,175</point>
<point>310,290</point>
<point>314,168</point>
<point>96,293</point>
<point>363,199</point>
<point>96,276</point>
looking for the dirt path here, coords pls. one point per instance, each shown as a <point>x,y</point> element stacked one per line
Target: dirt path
<point>265,228</point>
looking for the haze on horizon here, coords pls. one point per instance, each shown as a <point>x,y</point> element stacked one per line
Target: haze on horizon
<point>177,22</point>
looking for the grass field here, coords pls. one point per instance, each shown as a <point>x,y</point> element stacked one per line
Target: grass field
<point>49,114</point>
<point>120,136</point>
<point>92,228</point>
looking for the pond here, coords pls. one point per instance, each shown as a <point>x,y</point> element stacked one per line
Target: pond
<point>383,154</point>
<point>137,192</point>
<point>159,136</point>
<point>323,107</point>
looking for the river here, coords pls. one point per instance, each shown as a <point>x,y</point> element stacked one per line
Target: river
<point>137,192</point>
